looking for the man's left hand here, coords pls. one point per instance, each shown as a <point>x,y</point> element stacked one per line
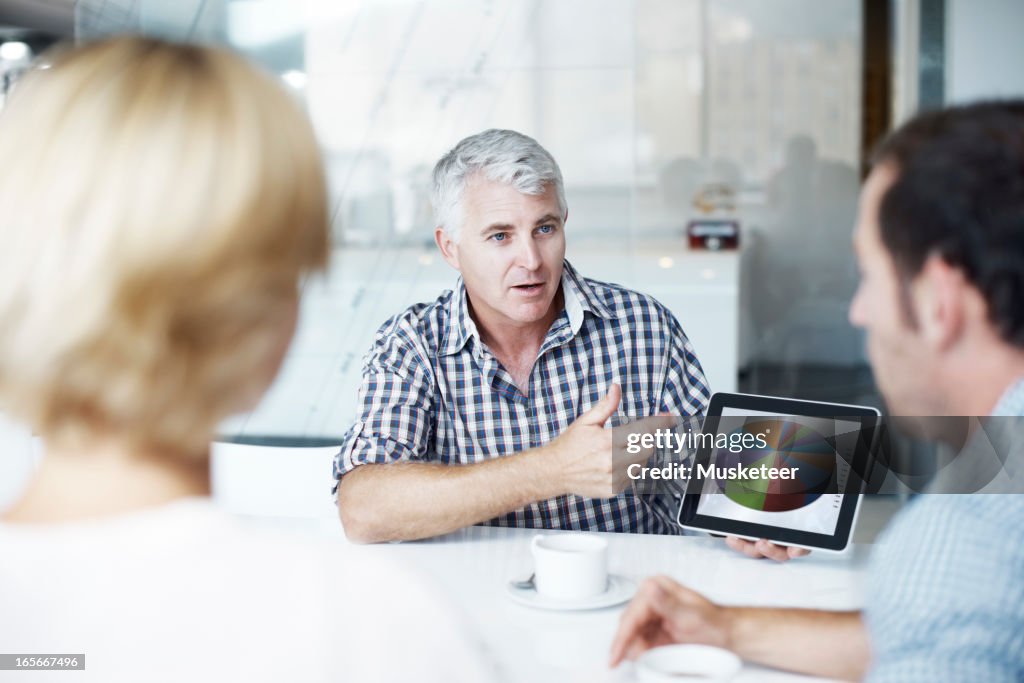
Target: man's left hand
<point>664,612</point>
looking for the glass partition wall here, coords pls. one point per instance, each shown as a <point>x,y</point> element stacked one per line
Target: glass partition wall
<point>660,113</point>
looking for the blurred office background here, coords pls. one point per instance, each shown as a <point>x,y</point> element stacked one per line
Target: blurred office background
<point>767,107</point>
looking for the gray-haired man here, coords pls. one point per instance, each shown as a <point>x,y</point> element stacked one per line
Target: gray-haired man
<point>488,405</point>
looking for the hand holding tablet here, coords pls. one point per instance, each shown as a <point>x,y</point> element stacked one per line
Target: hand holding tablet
<point>816,456</point>
<point>763,548</point>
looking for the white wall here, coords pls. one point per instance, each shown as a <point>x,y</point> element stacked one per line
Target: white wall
<point>984,49</point>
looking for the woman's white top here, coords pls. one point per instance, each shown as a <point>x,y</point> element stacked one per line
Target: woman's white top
<point>186,592</point>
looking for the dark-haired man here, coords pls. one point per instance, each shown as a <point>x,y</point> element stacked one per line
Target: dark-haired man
<point>940,244</point>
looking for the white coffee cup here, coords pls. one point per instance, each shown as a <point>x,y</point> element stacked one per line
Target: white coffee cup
<point>570,566</point>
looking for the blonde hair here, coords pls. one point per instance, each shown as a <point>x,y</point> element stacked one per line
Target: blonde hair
<point>158,205</point>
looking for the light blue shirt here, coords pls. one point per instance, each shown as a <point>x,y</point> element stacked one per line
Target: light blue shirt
<point>1012,402</point>
<point>945,594</point>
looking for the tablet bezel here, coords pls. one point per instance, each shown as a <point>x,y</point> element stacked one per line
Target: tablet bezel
<point>868,417</point>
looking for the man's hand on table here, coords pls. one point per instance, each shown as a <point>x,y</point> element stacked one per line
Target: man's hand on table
<point>664,612</point>
<point>808,641</point>
<point>765,548</point>
<point>593,461</point>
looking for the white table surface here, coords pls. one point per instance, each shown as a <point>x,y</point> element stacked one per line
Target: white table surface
<point>475,564</point>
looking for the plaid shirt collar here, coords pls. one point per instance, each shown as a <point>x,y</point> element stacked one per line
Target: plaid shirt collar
<point>579,299</point>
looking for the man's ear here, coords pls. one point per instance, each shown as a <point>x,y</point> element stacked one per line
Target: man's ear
<point>940,296</point>
<point>449,249</point>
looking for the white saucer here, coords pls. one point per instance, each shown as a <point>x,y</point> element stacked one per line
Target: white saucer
<point>670,663</point>
<point>620,589</point>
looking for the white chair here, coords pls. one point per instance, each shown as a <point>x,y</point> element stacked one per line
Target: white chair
<point>274,481</point>
<point>19,454</point>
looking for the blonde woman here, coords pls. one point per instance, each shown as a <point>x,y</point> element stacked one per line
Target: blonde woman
<point>158,207</point>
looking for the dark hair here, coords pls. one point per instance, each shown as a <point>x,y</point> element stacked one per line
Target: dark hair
<point>959,193</point>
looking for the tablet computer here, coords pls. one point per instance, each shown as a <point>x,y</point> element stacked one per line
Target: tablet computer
<point>787,470</point>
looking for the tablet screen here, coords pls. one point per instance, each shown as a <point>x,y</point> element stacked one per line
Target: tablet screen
<point>813,453</point>
<point>787,470</point>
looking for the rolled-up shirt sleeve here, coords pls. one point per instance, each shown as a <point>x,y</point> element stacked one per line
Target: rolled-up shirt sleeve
<point>394,405</point>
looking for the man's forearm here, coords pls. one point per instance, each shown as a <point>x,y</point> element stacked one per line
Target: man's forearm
<point>816,642</point>
<point>407,501</point>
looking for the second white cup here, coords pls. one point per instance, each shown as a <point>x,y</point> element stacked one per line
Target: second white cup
<point>570,566</point>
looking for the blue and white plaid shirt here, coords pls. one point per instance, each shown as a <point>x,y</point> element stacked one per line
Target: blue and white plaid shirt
<point>945,597</point>
<point>433,392</point>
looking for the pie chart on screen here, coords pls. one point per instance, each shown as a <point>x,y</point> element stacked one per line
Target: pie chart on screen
<point>789,445</point>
